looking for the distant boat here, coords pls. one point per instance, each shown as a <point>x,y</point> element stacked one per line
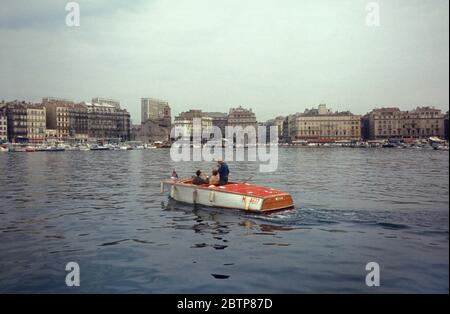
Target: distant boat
<point>243,196</point>
<point>436,142</point>
<point>99,147</point>
<point>51,148</point>
<point>16,148</point>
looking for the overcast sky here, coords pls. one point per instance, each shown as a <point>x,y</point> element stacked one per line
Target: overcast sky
<point>276,57</point>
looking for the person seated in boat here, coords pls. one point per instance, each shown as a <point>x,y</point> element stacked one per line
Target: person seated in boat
<point>174,175</point>
<point>204,176</point>
<point>198,180</point>
<point>223,172</point>
<point>214,179</point>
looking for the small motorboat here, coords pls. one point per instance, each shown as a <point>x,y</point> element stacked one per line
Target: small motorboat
<point>51,148</point>
<point>99,147</point>
<point>244,196</point>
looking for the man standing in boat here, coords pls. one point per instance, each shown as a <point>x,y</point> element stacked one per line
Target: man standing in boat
<point>223,172</point>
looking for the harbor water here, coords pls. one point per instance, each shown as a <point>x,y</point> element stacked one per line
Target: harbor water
<point>104,211</point>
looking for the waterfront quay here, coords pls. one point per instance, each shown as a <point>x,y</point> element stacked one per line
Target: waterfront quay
<point>57,124</point>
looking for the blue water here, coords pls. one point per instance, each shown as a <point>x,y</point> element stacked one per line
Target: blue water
<point>104,210</point>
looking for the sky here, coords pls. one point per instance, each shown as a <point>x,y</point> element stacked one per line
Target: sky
<point>276,57</point>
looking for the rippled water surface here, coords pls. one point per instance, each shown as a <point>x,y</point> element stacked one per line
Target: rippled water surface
<point>104,210</point>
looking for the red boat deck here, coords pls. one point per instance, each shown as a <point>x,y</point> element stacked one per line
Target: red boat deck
<point>242,188</point>
<point>249,189</point>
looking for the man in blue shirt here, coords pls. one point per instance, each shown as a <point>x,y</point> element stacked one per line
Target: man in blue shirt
<point>223,172</point>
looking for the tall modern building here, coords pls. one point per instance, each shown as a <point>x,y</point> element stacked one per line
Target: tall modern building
<point>152,108</point>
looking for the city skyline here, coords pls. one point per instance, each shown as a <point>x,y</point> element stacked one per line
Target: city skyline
<point>213,56</point>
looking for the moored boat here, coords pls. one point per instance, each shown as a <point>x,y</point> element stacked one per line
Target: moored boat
<point>243,196</point>
<point>99,147</point>
<point>50,148</point>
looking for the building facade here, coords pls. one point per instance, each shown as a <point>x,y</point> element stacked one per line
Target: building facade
<point>36,124</point>
<point>422,122</point>
<point>278,123</point>
<point>16,113</point>
<point>57,117</point>
<point>3,125</point>
<point>107,122</point>
<point>219,119</point>
<point>242,117</point>
<point>184,122</point>
<point>152,108</point>
<point>78,122</point>
<point>152,130</point>
<point>446,131</point>
<point>322,124</point>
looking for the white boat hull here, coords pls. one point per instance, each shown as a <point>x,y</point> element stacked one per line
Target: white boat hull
<point>215,196</point>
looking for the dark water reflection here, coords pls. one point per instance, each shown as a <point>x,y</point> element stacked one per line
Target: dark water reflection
<point>104,211</point>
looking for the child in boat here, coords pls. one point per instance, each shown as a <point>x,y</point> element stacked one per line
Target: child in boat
<point>214,179</point>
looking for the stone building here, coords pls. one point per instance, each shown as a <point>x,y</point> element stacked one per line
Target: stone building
<point>446,126</point>
<point>278,123</point>
<point>153,130</point>
<point>57,116</point>
<point>183,123</point>
<point>26,122</point>
<point>107,122</point>
<point>36,123</point>
<point>243,117</point>
<point>3,124</point>
<point>219,119</point>
<point>322,124</point>
<point>422,122</point>
<point>78,122</point>
<point>16,113</point>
